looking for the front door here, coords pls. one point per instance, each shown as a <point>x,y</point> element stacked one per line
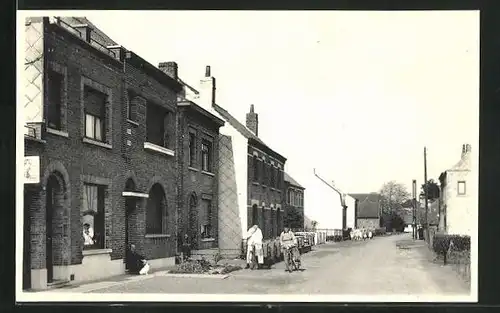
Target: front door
<point>27,243</point>
<point>193,227</point>
<point>129,209</point>
<point>48,231</point>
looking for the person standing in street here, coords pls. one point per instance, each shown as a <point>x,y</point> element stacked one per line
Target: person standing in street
<point>287,243</point>
<point>186,248</point>
<point>254,240</point>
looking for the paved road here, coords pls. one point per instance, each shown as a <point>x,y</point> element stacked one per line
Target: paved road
<point>373,267</point>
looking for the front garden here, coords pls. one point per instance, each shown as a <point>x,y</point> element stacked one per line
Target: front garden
<point>202,266</point>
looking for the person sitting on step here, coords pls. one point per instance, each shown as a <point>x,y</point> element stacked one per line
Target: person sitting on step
<point>136,263</point>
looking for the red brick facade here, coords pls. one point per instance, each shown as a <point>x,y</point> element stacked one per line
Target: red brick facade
<point>265,192</point>
<point>123,161</point>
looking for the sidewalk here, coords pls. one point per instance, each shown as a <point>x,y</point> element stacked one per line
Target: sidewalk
<point>85,287</point>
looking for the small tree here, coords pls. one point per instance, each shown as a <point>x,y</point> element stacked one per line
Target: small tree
<point>393,196</point>
<point>294,218</point>
<point>433,190</point>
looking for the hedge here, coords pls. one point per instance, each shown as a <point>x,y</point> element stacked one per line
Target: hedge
<point>442,242</point>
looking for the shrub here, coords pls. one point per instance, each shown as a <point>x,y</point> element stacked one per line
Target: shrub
<point>442,243</point>
<point>379,231</point>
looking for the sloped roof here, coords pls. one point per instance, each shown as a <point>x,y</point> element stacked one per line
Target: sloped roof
<point>242,129</point>
<point>368,204</point>
<point>292,181</point>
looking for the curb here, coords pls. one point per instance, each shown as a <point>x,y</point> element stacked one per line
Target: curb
<point>215,276</point>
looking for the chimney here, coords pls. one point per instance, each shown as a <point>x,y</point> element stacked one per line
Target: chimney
<point>252,122</point>
<point>207,90</point>
<point>466,150</point>
<point>169,68</point>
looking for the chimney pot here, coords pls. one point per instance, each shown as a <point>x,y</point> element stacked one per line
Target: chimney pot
<point>170,68</point>
<point>252,121</point>
<point>207,71</point>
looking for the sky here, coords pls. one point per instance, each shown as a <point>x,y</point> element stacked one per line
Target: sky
<point>356,95</point>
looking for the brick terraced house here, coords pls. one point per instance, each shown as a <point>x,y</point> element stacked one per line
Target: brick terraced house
<point>198,135</point>
<point>294,205</point>
<point>109,140</point>
<point>250,174</point>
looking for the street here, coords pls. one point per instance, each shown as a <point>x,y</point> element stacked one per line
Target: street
<point>375,267</point>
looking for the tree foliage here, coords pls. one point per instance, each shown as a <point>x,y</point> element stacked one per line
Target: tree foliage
<point>393,196</point>
<point>433,190</point>
<point>294,218</point>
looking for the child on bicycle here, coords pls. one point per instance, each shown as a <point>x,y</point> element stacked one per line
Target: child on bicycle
<point>288,244</point>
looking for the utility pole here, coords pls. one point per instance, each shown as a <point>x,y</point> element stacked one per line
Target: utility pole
<point>414,208</point>
<point>427,233</point>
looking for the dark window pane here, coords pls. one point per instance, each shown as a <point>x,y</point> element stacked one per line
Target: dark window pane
<point>55,86</point>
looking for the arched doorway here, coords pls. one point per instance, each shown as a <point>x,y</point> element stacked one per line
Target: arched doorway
<point>192,225</point>
<point>130,206</point>
<point>54,221</point>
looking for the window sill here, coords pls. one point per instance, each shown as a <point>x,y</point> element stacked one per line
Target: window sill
<point>57,132</point>
<point>208,173</point>
<point>97,143</point>
<point>193,169</point>
<point>156,148</point>
<point>34,139</point>
<point>208,239</point>
<point>157,236</point>
<point>132,122</point>
<point>96,251</point>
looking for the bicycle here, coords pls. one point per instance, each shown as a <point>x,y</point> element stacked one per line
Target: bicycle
<point>290,259</point>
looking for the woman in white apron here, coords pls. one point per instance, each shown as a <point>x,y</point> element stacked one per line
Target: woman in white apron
<point>254,239</point>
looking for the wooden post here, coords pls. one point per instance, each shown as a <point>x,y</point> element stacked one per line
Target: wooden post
<point>426,185</point>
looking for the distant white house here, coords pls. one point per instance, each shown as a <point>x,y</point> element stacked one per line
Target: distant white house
<point>459,195</point>
<point>325,201</point>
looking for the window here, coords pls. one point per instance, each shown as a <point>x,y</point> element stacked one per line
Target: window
<point>273,176</point>
<point>95,102</point>
<point>262,171</point>
<point>206,156</point>
<point>206,226</point>
<point>158,123</point>
<point>263,222</point>
<point>461,188</point>
<point>278,179</point>
<point>278,220</point>
<point>55,89</point>
<point>255,166</point>
<point>93,216</point>
<point>155,210</point>
<point>192,149</point>
<point>131,106</point>
<point>274,229</point>
<point>255,215</point>
<point>265,173</point>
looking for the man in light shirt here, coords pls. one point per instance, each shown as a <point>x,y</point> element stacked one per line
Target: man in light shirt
<point>254,240</point>
<point>288,244</point>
